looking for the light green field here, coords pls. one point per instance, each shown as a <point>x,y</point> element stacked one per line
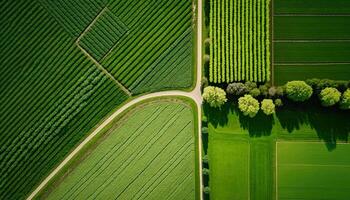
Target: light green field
<point>149,153</point>
<point>228,129</point>
<point>310,171</point>
<point>229,168</point>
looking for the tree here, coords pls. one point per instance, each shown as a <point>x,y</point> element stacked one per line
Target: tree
<point>264,90</point>
<point>345,100</point>
<point>216,97</point>
<point>250,85</point>
<point>248,105</point>
<point>268,107</point>
<point>279,91</point>
<point>255,92</point>
<point>298,91</point>
<point>206,58</point>
<point>272,91</point>
<point>236,89</point>
<point>204,130</point>
<point>205,159</point>
<point>205,171</point>
<point>206,190</point>
<point>329,96</point>
<point>278,102</point>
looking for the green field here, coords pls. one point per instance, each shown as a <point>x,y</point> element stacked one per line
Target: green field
<point>59,79</point>
<point>150,152</point>
<point>312,52</point>
<point>287,72</point>
<point>228,155</point>
<point>310,171</point>
<point>240,38</point>
<point>230,133</point>
<point>311,39</point>
<point>311,27</point>
<point>157,50</point>
<point>311,7</point>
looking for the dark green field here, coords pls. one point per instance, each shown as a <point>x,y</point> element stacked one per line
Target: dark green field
<point>311,27</point>
<point>312,6</point>
<point>312,52</point>
<point>311,39</point>
<point>286,72</point>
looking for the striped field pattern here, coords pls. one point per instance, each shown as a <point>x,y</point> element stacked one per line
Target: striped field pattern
<point>150,155</point>
<point>65,65</point>
<point>240,37</point>
<point>102,35</point>
<point>51,96</point>
<point>157,47</point>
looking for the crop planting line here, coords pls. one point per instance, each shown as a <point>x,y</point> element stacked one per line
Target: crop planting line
<point>195,95</point>
<point>311,41</point>
<point>90,25</point>
<point>104,70</point>
<point>316,64</point>
<point>311,15</point>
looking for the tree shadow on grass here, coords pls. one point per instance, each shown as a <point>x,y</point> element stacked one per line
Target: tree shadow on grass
<point>217,116</point>
<point>331,124</point>
<point>260,125</point>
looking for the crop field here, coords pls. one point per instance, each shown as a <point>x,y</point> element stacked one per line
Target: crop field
<point>165,58</point>
<point>228,155</point>
<point>148,153</point>
<point>57,64</point>
<point>240,37</point>
<point>311,39</point>
<point>145,45</point>
<point>310,171</point>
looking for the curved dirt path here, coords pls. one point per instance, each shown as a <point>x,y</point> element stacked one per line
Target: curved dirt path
<point>195,95</point>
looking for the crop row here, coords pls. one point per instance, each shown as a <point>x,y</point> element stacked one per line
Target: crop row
<point>74,16</point>
<point>103,34</point>
<point>51,96</point>
<point>239,31</point>
<point>157,30</point>
<point>156,154</point>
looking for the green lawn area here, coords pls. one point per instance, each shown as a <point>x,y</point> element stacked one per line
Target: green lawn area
<point>148,153</point>
<point>229,167</point>
<point>310,171</point>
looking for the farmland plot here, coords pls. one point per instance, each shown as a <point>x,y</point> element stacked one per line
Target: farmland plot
<point>309,171</point>
<point>311,40</point>
<point>148,153</point>
<point>240,37</point>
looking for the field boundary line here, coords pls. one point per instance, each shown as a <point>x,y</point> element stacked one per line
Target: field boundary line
<point>91,24</point>
<point>313,63</point>
<point>311,41</point>
<point>310,15</point>
<point>276,169</point>
<point>272,42</point>
<point>315,165</point>
<point>310,142</point>
<point>104,70</point>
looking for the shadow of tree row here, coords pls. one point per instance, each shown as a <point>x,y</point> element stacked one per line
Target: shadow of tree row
<point>330,124</point>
